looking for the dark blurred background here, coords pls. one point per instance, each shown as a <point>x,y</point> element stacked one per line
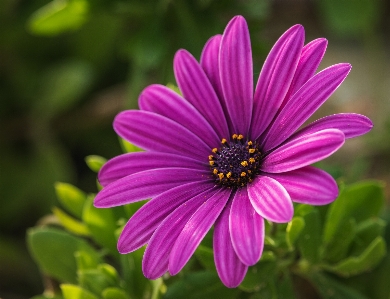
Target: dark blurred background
<point>67,67</point>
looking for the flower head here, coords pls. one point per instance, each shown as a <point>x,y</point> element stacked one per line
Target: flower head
<point>226,154</point>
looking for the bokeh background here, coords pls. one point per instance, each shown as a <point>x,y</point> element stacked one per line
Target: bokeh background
<point>68,66</point>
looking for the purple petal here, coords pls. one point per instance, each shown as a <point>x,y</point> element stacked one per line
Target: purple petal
<point>351,124</point>
<point>236,72</point>
<point>303,151</point>
<point>156,257</point>
<point>197,89</point>
<point>270,199</point>
<point>130,163</point>
<point>164,101</point>
<point>146,184</point>
<point>275,78</point>
<point>304,103</point>
<point>246,229</point>
<point>144,222</point>
<point>230,269</point>
<point>154,132</point>
<point>209,61</point>
<point>195,230</point>
<point>308,185</point>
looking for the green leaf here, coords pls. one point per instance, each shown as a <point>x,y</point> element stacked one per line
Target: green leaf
<point>331,289</point>
<point>369,229</point>
<point>128,147</point>
<point>364,262</point>
<point>54,251</point>
<point>71,198</point>
<point>359,201</point>
<point>49,296</point>
<point>95,162</point>
<point>285,287</point>
<point>130,209</point>
<point>96,280</point>
<point>158,288</point>
<point>175,88</point>
<point>59,16</point>
<point>85,261</point>
<point>110,272</point>
<point>71,224</point>
<point>205,256</point>
<point>114,293</point>
<point>293,230</point>
<point>309,241</point>
<point>102,225</point>
<point>338,248</point>
<point>205,285</point>
<point>302,210</point>
<point>131,264</point>
<point>75,292</point>
<point>259,275</point>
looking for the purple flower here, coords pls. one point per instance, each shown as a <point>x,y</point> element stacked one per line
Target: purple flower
<point>224,155</point>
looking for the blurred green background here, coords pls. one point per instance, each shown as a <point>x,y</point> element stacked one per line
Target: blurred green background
<point>67,67</point>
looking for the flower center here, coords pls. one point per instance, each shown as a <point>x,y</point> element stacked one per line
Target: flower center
<point>236,162</point>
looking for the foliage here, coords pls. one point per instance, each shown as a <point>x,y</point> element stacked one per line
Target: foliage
<point>68,66</point>
<point>325,248</point>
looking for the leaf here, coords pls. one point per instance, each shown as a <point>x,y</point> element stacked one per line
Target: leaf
<point>95,162</point>
<point>128,147</point>
<point>205,256</point>
<point>96,280</point>
<point>359,201</point>
<point>364,262</point>
<point>309,241</point>
<point>71,198</point>
<point>285,287</point>
<point>59,16</point>
<point>259,275</point>
<point>303,209</point>
<point>85,261</point>
<point>114,293</point>
<point>369,229</point>
<point>175,88</point>
<point>54,251</point>
<point>101,224</point>
<point>75,292</point>
<point>205,285</point>
<point>135,282</point>
<point>293,230</point>
<point>338,248</point>
<point>331,289</point>
<point>71,224</point>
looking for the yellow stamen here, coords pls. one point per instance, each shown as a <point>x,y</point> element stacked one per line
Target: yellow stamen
<point>214,150</point>
<point>211,163</point>
<point>252,160</point>
<point>240,137</point>
<point>234,136</point>
<point>228,175</point>
<point>243,173</point>
<point>244,163</point>
<point>215,171</point>
<point>250,143</point>
<point>251,150</point>
<point>211,157</point>
<point>223,141</point>
<point>221,175</point>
